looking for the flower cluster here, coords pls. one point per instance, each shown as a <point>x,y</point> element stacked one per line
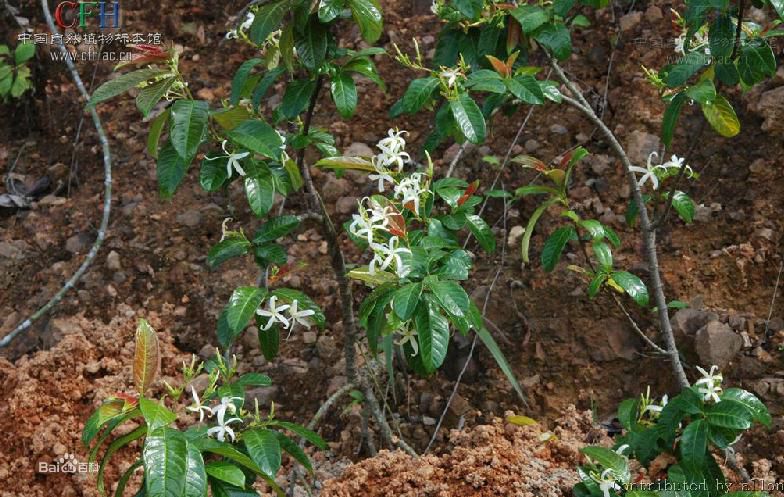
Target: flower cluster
<point>233,160</point>
<point>709,386</point>
<point>409,191</point>
<point>653,409</point>
<point>385,254</point>
<point>222,428</point>
<point>370,219</point>
<point>655,172</point>
<point>274,314</point>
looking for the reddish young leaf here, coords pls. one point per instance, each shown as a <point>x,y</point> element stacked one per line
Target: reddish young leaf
<point>513,34</point>
<point>499,66</point>
<point>469,191</point>
<point>147,359</point>
<point>397,224</point>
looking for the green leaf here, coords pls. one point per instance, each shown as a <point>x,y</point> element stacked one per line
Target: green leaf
<point>526,88</point>
<point>418,93</point>
<point>608,459</point>
<point>344,94</point>
<point>304,302</point>
<point>24,52</point>
<point>530,17</point>
<point>554,246</point>
<point>556,39</point>
<point>451,297</point>
<point>226,471</point>
<point>257,136</point>
<point>455,266</point>
<point>234,245</point>
<point>156,128</point>
<point>277,227</point>
<point>296,98</point>
<point>483,233</point>
<point>152,94</point>
<point>596,284</point>
<point>603,254</point>
<point>529,229</point>
<point>312,44</point>
<point>684,206</point>
<point>432,334</point>
<point>268,18</point>
<point>405,300</point>
<point>721,34</point>
<point>188,126</point>
<point>550,91</point>
<point>367,68</point>
<point>165,463</point>
<point>367,14</point>
<point>562,7</point>
<point>254,380</point>
<point>469,8</point>
<point>485,80</point>
<point>171,169</point>
<point>356,163</point>
<point>303,432</point>
<point>213,173</point>
<point>694,443</point>
<point>721,117</point>
<point>703,92</point>
<point>269,341</point>
<point>729,414</point>
<point>498,356</point>
<point>264,448</point>
<point>754,405</point>
<point>686,67</point>
<point>633,286</point>
<point>109,410</point>
<point>627,413</point>
<point>329,10</point>
<point>241,76</point>
<point>116,445</point>
<point>242,305</point>
<point>670,119</point>
<point>468,118</point>
<point>126,476</point>
<point>756,62</point>
<point>294,451</point>
<point>156,415</point>
<point>779,6</point>
<point>122,83</point>
<point>260,193</point>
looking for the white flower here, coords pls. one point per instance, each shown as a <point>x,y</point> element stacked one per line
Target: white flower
<point>392,152</point>
<point>233,164</point>
<point>370,219</point>
<point>620,450</point>
<point>223,428</point>
<point>300,317</point>
<point>223,227</point>
<point>656,410</point>
<point>408,335</point>
<point>607,482</point>
<point>709,386</point>
<point>198,406</point>
<point>382,175</point>
<point>409,190</point>
<point>231,35</point>
<point>246,24</point>
<point>385,255</point>
<point>677,163</point>
<point>274,314</point>
<point>450,75</point>
<point>649,173</point>
<point>699,41</point>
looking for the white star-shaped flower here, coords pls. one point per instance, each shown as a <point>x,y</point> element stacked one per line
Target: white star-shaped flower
<point>709,386</point>
<point>198,406</point>
<point>274,314</point>
<point>233,163</point>
<point>408,335</point>
<point>300,317</point>
<point>385,255</point>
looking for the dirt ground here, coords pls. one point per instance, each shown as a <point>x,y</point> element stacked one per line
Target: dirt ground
<point>565,348</point>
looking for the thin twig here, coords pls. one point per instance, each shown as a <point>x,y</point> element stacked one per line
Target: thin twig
<point>107,198</point>
<point>648,231</point>
<point>738,29</point>
<point>454,162</point>
<point>773,299</point>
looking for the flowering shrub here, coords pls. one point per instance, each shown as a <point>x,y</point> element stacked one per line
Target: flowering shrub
<point>687,429</point>
<point>412,229</point>
<point>229,447</point>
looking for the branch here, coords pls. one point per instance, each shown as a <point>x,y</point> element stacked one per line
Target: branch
<point>107,197</point>
<point>738,29</point>
<point>648,231</point>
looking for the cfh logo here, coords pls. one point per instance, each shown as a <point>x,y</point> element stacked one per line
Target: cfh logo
<point>67,464</point>
<point>67,13</point>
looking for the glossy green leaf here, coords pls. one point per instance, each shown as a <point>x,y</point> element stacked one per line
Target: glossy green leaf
<point>257,136</point>
<point>482,231</point>
<point>312,44</point>
<point>260,194</point>
<point>213,173</point>
<point>367,14</point>
<point>242,74</point>
<point>694,443</point>
<point>266,20</point>
<point>303,432</point>
<point>530,17</point>
<point>419,93</point>
<point>469,118</point>
<point>684,206</point>
<point>405,300</point>
<point>670,119</point>
<point>264,448</point>
<point>554,246</point>
<point>242,305</point>
<point>152,94</point>
<point>275,228</point>
<point>556,39</point>
<point>721,116</point>
<point>526,88</point>
<point>171,169</point>
<point>233,245</point>
<point>603,254</point>
<point>729,414</point>
<point>165,463</point>
<point>753,404</point>
<point>226,471</point>
<point>633,286</point>
<point>123,83</point>
<point>156,415</point>
<point>344,94</point>
<point>156,128</point>
<point>432,335</point>
<point>756,62</point>
<point>687,66</point>
<point>188,126</point>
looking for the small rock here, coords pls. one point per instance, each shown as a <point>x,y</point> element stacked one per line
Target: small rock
<point>758,166</point>
<point>531,145</point>
<point>716,343</point>
<point>428,421</point>
<point>326,348</point>
<point>640,144</point>
<point>265,395</point>
<point>207,352</point>
<point>630,20</point>
<point>765,233</point>
<point>702,214</point>
<point>16,249</point>
<point>653,14</point>
<point>737,322</point>
<point>113,261</point>
<point>558,129</point>
<point>581,137</point>
<point>309,337</point>
<point>686,322</point>
<point>358,149</point>
<point>77,244</point>
<point>335,188</point>
<point>346,205</point>
<point>514,235</point>
<point>771,108</point>
<point>190,218</point>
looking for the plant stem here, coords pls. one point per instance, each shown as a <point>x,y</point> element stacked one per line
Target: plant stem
<point>107,196</point>
<point>648,231</point>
